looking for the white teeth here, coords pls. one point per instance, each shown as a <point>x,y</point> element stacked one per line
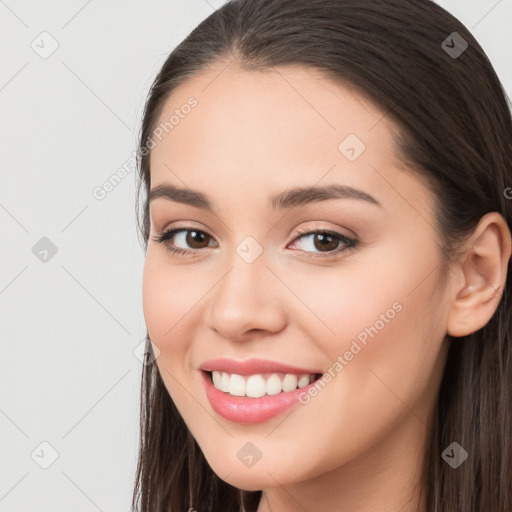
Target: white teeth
<point>256,386</point>
<point>237,385</point>
<point>303,381</point>
<point>217,378</point>
<point>290,382</point>
<point>274,385</point>
<point>224,382</point>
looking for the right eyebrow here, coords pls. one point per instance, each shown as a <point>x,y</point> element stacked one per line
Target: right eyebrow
<point>180,195</point>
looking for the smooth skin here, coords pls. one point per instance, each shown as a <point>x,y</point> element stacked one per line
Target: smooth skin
<point>357,445</point>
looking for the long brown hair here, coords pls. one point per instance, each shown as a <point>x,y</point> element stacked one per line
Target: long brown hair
<point>455,131</point>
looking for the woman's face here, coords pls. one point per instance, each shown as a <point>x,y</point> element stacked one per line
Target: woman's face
<point>260,282</point>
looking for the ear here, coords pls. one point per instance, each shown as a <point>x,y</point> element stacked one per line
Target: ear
<point>483,270</point>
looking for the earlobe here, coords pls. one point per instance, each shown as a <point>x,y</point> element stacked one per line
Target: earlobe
<point>484,269</point>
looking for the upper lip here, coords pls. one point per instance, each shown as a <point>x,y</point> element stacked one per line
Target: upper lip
<point>253,366</point>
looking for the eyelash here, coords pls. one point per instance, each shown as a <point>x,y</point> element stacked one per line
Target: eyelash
<point>350,243</point>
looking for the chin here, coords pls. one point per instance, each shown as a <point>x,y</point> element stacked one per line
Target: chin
<point>256,478</point>
<point>249,482</point>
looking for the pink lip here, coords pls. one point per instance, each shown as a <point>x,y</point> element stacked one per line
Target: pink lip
<point>242,409</point>
<point>252,366</point>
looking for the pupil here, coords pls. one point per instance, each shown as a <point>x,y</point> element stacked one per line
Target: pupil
<point>323,238</point>
<point>193,236</point>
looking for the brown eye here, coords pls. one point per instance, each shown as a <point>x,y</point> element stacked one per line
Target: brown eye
<point>322,242</point>
<point>195,239</point>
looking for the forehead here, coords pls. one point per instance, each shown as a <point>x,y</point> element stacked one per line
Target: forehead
<point>288,108</point>
<point>269,129</point>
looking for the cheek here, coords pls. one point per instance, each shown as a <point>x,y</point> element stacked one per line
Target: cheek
<point>389,342</point>
<point>165,306</point>
<point>153,296</point>
<point>338,305</point>
<point>168,297</point>
<point>382,314</point>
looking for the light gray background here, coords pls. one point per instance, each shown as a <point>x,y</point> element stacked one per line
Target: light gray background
<point>69,326</point>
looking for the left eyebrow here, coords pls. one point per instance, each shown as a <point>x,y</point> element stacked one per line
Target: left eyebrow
<point>300,196</point>
<point>291,198</point>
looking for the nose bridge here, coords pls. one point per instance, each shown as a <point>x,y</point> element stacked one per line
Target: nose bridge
<point>242,299</point>
<point>247,265</point>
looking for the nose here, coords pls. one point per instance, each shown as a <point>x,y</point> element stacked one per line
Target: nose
<point>247,302</point>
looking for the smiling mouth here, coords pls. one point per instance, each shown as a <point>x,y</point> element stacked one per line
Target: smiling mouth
<point>259,384</point>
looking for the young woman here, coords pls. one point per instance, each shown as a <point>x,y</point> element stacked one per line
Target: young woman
<point>326,216</point>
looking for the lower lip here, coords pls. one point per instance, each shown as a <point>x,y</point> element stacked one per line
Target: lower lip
<point>242,409</point>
